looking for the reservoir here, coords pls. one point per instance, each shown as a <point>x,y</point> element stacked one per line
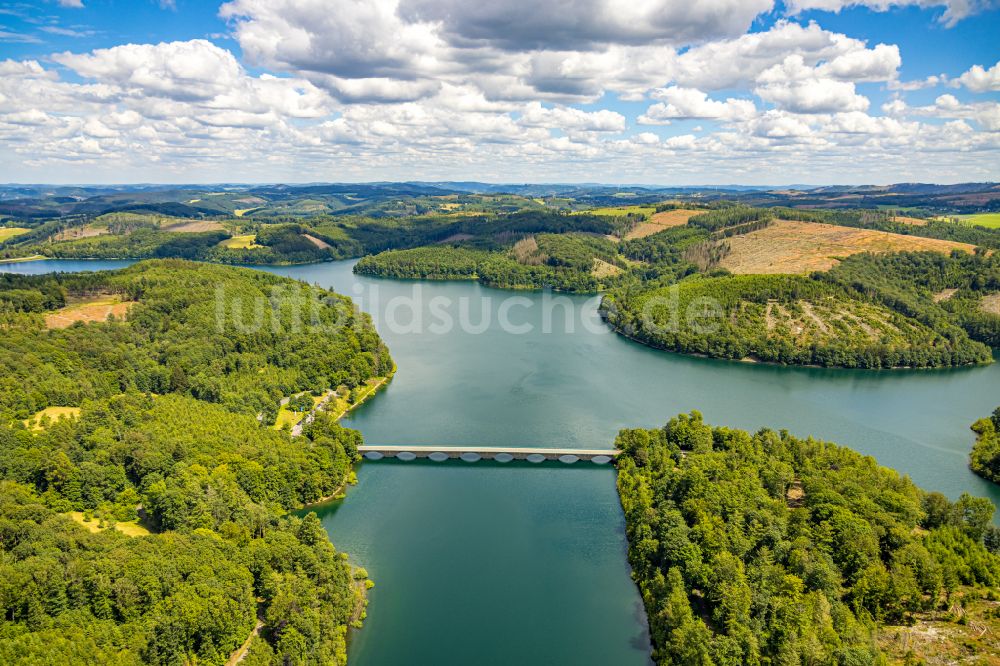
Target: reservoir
<point>489,563</point>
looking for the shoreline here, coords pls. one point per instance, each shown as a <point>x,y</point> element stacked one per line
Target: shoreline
<point>21,260</point>
<point>342,488</point>
<point>750,360</point>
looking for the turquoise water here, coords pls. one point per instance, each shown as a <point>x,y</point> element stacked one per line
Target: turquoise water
<point>518,564</point>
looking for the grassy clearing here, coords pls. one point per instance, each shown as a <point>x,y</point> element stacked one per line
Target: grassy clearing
<point>990,304</point>
<point>6,233</point>
<point>129,528</point>
<point>240,212</point>
<point>287,416</point>
<point>802,247</point>
<point>54,413</point>
<point>88,310</point>
<point>246,242</point>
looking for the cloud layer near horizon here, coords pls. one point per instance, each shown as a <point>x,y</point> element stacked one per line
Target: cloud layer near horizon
<point>437,89</point>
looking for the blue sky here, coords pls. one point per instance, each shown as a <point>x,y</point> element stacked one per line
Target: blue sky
<point>668,92</point>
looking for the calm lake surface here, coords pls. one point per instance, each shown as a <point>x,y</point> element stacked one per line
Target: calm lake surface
<point>499,564</point>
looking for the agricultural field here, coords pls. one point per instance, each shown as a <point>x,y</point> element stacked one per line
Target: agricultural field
<point>620,211</point>
<point>988,220</point>
<point>660,221</point>
<point>6,233</point>
<point>802,247</point>
<point>97,308</point>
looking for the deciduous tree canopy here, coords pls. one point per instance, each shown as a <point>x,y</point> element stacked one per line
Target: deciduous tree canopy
<point>766,548</point>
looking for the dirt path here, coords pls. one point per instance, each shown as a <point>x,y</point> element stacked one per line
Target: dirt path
<point>808,309</point>
<point>241,653</point>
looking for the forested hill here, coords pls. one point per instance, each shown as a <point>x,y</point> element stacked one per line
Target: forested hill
<point>985,460</point>
<point>788,319</point>
<point>237,337</point>
<point>765,548</point>
<point>152,524</point>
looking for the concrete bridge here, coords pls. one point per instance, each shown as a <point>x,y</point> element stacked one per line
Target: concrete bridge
<point>501,454</point>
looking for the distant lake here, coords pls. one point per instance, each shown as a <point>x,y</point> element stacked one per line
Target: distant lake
<point>491,564</point>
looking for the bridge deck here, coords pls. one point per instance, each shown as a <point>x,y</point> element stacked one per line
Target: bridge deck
<point>486,452</point>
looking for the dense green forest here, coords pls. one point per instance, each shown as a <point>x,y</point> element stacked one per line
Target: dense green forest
<point>565,262</point>
<point>785,319</point>
<point>766,548</point>
<point>237,337</point>
<point>985,459</point>
<point>171,431</point>
<point>929,286</point>
<point>444,262</point>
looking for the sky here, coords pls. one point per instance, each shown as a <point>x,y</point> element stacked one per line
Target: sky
<point>665,92</point>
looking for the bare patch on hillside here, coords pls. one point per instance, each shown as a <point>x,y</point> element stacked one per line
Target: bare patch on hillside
<point>76,233</point>
<point>787,246</point>
<point>97,308</point>
<point>194,227</point>
<point>603,269</point>
<point>660,221</point>
<point>966,631</point>
<point>820,320</point>
<point>944,295</point>
<point>321,244</point>
<point>915,221</point>
<point>990,304</point>
<point>527,252</point>
<point>455,238</point>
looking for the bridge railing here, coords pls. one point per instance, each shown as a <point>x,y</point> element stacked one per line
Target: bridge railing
<point>499,454</point>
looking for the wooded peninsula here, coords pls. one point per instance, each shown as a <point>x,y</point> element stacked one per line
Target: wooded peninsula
<point>169,439</point>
